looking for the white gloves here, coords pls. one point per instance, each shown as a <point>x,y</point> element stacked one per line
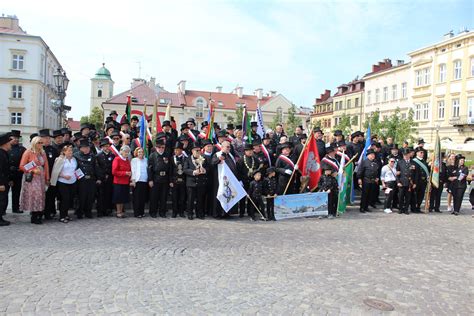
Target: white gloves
<point>288,172</point>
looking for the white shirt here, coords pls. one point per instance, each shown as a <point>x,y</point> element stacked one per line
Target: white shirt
<point>139,170</point>
<point>68,169</point>
<point>386,175</point>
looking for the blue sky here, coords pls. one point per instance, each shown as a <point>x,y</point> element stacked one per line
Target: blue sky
<point>298,48</point>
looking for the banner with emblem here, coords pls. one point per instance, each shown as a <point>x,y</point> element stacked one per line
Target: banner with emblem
<point>345,192</point>
<point>301,205</point>
<point>309,164</point>
<point>230,191</point>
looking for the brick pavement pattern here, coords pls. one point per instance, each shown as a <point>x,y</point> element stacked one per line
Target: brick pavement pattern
<point>421,264</point>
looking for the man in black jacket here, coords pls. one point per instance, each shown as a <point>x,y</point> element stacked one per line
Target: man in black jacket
<point>405,172</point>
<point>51,155</point>
<point>177,181</point>
<point>15,154</point>
<point>368,179</point>
<point>318,134</point>
<point>158,179</point>
<point>196,169</point>
<point>422,174</point>
<point>284,167</point>
<point>245,168</point>
<point>5,175</point>
<point>104,173</point>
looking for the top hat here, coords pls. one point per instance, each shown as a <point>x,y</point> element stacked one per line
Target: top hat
<point>44,133</point>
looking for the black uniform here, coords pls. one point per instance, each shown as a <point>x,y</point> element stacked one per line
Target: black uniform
<point>458,187</point>
<point>421,177</point>
<point>218,212</point>
<point>405,184</point>
<point>178,190</point>
<point>15,157</point>
<point>158,172</point>
<point>87,184</point>
<point>209,198</point>
<point>255,192</point>
<point>5,177</point>
<point>435,195</point>
<point>263,161</point>
<point>321,148</point>
<point>284,170</point>
<point>196,187</point>
<point>105,190</point>
<point>328,182</point>
<point>245,168</point>
<point>368,173</point>
<point>270,189</point>
<point>52,192</point>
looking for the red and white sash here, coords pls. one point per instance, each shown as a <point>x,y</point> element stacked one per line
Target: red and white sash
<point>265,152</point>
<point>114,149</point>
<point>287,160</point>
<point>218,146</point>
<point>346,157</point>
<point>331,163</point>
<point>202,135</point>
<point>137,142</point>
<point>191,135</point>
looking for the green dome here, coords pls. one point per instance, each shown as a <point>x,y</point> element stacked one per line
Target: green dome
<point>103,73</point>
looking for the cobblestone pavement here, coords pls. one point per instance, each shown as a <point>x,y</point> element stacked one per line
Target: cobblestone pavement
<point>421,264</point>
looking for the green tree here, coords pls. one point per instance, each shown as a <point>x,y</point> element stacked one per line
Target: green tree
<point>393,126</point>
<point>345,124</point>
<point>277,119</point>
<point>230,119</point>
<point>292,121</point>
<point>96,117</point>
<point>376,125</point>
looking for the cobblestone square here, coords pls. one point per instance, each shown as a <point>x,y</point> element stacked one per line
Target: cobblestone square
<point>420,264</point>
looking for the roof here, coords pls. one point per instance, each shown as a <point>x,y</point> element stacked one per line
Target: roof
<point>445,41</point>
<point>229,100</point>
<point>73,125</point>
<point>103,73</point>
<point>141,92</point>
<point>12,31</point>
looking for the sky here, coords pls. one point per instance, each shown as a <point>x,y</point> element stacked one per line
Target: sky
<point>298,48</point>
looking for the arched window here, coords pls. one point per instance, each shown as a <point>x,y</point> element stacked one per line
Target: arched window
<point>99,93</point>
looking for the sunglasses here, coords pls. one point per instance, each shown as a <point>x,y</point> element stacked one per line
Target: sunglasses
<point>392,160</point>
<point>40,143</point>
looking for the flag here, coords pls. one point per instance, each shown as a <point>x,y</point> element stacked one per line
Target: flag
<point>247,131</point>
<point>368,142</point>
<point>340,172</point>
<point>230,191</point>
<point>210,119</point>
<point>167,112</point>
<point>309,163</point>
<point>155,121</point>
<point>345,191</point>
<point>143,132</point>
<point>259,118</point>
<point>128,108</point>
<point>436,163</point>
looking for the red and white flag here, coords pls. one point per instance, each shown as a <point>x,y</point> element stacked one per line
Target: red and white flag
<point>309,164</point>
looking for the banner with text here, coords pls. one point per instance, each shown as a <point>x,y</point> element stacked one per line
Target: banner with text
<point>301,205</point>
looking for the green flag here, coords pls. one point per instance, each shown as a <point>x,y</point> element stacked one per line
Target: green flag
<point>345,192</point>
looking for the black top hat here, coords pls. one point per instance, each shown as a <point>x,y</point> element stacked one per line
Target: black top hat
<point>338,132</point>
<point>421,141</point>
<point>190,120</point>
<point>418,149</point>
<point>340,144</point>
<point>15,133</point>
<point>160,135</point>
<point>222,134</point>
<point>5,138</point>
<point>125,122</point>
<point>134,118</point>
<point>257,171</point>
<point>317,130</point>
<point>204,124</point>
<point>206,142</point>
<point>270,170</point>
<point>113,113</point>
<point>238,126</point>
<point>253,124</point>
<point>77,135</point>
<point>109,126</point>
<point>216,125</point>
<point>377,144</point>
<point>65,131</point>
<point>115,133</point>
<point>256,142</point>
<point>33,136</point>
<point>44,133</point>
<point>406,151</point>
<point>160,142</point>
<point>230,126</point>
<point>103,142</point>
<point>303,136</point>
<point>183,138</point>
<point>178,145</point>
<point>394,146</point>
<point>196,145</point>
<point>248,146</point>
<point>460,156</point>
<point>355,134</point>
<point>330,149</point>
<point>109,119</point>
<point>166,123</point>
<point>184,126</point>
<point>84,143</point>
<point>370,151</point>
<point>285,145</point>
<point>57,133</point>
<point>85,125</point>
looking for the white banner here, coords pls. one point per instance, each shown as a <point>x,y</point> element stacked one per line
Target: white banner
<point>230,191</point>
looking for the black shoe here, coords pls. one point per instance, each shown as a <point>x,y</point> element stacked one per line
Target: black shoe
<point>241,215</point>
<point>400,212</point>
<point>181,215</point>
<point>153,216</point>
<point>190,217</point>
<point>88,216</point>
<point>368,210</point>
<point>362,211</point>
<point>437,211</point>
<point>79,217</point>
<point>407,213</point>
<point>4,222</point>
<point>373,205</point>
<point>172,216</point>
<point>163,216</point>
<point>17,211</point>
<point>456,213</point>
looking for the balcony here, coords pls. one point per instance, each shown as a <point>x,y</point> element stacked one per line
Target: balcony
<point>462,120</point>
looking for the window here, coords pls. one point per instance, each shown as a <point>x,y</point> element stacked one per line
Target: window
<point>426,76</point>
<point>369,97</point>
<point>355,120</point>
<point>418,78</point>
<point>442,73</point>
<point>280,112</point>
<point>15,118</point>
<point>423,77</point>
<point>470,110</point>
<point>356,102</point>
<point>99,93</point>
<point>336,121</point>
<point>17,92</point>
<point>199,108</point>
<point>457,69</point>
<point>162,101</point>
<point>377,91</point>
<point>394,92</point>
<point>455,107</point>
<point>472,67</point>
<point>404,116</point>
<point>349,103</point>
<point>441,109</point>
<point>18,62</point>
<point>426,111</point>
<point>404,90</point>
<point>385,94</point>
<point>417,112</point>
<point>220,103</point>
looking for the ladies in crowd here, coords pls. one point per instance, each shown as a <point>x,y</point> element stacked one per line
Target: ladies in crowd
<point>121,170</point>
<point>35,178</point>
<point>450,168</point>
<point>458,183</point>
<point>238,142</point>
<point>64,178</point>
<point>389,183</point>
<point>139,182</point>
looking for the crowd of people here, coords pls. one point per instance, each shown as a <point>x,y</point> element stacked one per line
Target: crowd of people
<point>64,172</point>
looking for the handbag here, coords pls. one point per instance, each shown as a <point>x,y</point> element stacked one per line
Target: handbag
<point>28,177</point>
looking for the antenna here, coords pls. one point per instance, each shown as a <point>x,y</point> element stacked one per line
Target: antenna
<point>139,69</point>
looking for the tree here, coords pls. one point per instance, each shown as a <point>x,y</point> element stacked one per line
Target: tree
<point>393,126</point>
<point>292,121</point>
<point>96,117</point>
<point>230,119</point>
<point>345,124</point>
<point>277,119</point>
<point>376,124</point>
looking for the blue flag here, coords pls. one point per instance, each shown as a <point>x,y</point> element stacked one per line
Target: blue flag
<point>368,142</point>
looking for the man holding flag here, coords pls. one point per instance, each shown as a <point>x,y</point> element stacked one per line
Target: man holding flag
<point>438,178</point>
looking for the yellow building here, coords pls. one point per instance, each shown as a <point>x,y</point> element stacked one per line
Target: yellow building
<point>349,100</point>
<point>323,113</point>
<point>443,88</point>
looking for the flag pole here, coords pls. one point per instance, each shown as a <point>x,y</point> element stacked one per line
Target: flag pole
<point>429,187</point>
<point>297,162</point>
<point>347,163</point>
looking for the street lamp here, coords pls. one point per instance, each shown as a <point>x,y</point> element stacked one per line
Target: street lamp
<point>61,81</point>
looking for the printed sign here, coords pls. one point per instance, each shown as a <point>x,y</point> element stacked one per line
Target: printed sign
<point>301,205</point>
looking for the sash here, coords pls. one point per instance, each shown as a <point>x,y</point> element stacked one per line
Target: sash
<point>114,149</point>
<point>331,163</point>
<point>287,160</point>
<point>346,157</point>
<point>422,165</point>
<point>202,135</point>
<point>137,142</point>
<point>267,155</point>
<point>218,146</point>
<point>191,135</point>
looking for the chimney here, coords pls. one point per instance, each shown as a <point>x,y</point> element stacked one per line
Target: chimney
<point>219,89</point>
<point>272,93</point>
<point>182,86</point>
<point>400,62</point>
<point>10,22</point>
<point>137,82</point>
<point>448,35</point>
<point>152,82</point>
<point>259,93</point>
<point>240,92</point>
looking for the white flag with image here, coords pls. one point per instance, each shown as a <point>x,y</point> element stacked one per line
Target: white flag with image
<point>230,191</point>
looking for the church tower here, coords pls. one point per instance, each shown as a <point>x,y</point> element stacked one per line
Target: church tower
<point>102,87</point>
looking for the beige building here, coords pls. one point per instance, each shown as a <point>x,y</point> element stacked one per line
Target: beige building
<point>443,88</point>
<point>387,88</point>
<point>102,87</point>
<point>323,113</point>
<point>349,100</point>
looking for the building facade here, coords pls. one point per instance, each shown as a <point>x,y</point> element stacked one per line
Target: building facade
<point>443,88</point>
<point>27,85</point>
<point>387,88</point>
<point>349,100</point>
<point>102,87</point>
<point>322,115</point>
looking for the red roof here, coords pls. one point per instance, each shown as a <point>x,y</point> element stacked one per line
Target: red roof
<point>12,31</point>
<point>73,125</point>
<point>229,100</point>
